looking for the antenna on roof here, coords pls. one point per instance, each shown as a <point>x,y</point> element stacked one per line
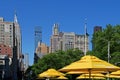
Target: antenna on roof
<point>15,18</point>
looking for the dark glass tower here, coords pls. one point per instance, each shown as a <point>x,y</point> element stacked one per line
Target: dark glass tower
<point>38,36</point>
<point>38,39</point>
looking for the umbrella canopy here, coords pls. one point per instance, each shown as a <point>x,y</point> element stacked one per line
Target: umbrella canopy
<point>90,63</point>
<point>50,73</point>
<point>116,73</point>
<point>81,72</point>
<point>112,76</point>
<point>93,76</point>
<point>62,77</point>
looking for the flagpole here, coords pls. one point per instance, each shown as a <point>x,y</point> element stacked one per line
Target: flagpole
<point>85,36</point>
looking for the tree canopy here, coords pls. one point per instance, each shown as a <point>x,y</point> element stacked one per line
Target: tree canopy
<point>55,60</point>
<point>100,41</point>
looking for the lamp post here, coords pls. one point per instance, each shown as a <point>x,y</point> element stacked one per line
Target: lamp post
<point>108,51</point>
<point>108,55</point>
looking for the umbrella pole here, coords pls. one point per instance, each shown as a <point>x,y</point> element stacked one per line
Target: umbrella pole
<point>47,79</point>
<point>89,74</point>
<point>108,76</point>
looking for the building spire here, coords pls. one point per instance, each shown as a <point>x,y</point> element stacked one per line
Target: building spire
<point>56,29</point>
<point>15,18</point>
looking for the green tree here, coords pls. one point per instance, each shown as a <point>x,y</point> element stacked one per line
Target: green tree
<point>115,58</point>
<point>101,38</point>
<point>55,60</point>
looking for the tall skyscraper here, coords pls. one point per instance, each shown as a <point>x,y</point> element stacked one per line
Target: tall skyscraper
<point>80,42</point>
<point>9,33</point>
<point>26,61</point>
<point>97,28</point>
<point>38,40</point>
<point>6,34</point>
<point>55,38</point>
<point>38,36</point>
<point>67,40</point>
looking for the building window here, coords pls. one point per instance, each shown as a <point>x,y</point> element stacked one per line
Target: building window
<point>1,62</point>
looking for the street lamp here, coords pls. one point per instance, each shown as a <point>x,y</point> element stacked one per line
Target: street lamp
<point>108,55</point>
<point>108,47</point>
<point>108,51</point>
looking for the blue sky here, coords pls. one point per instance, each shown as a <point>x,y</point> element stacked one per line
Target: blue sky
<point>70,14</point>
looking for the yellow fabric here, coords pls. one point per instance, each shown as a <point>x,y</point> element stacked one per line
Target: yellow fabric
<point>112,76</point>
<point>93,76</point>
<point>90,63</point>
<point>116,73</point>
<point>62,77</point>
<point>81,72</point>
<point>51,73</point>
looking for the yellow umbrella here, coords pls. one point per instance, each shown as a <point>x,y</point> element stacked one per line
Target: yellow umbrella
<point>112,76</point>
<point>50,73</point>
<point>81,72</point>
<point>62,77</point>
<point>90,63</point>
<point>116,73</point>
<point>94,76</point>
